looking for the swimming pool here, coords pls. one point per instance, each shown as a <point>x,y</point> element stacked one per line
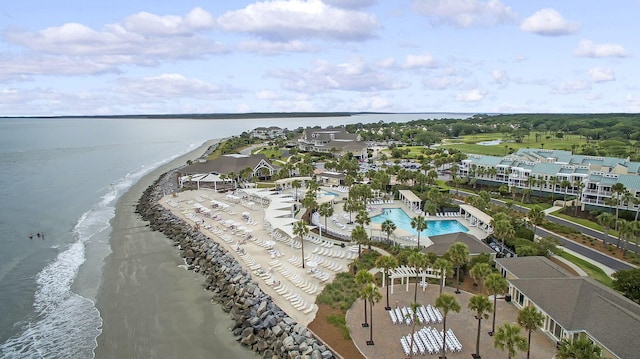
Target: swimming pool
<point>434,228</point>
<point>324,192</point>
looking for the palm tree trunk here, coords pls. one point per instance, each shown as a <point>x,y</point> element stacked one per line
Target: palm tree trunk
<point>458,280</point>
<point>478,338</point>
<point>493,325</point>
<point>387,274</point>
<point>444,337</point>
<point>415,292</point>
<point>529,344</point>
<point>371,322</point>
<point>365,324</point>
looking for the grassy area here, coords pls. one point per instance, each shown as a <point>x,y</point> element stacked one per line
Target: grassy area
<point>585,222</point>
<point>269,152</point>
<point>592,270</point>
<point>469,144</point>
<point>340,322</point>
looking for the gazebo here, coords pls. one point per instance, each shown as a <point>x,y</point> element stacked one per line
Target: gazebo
<point>410,199</point>
<point>476,217</point>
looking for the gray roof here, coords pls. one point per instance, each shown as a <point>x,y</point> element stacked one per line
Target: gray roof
<point>533,267</point>
<point>442,243</point>
<point>583,304</point>
<point>226,164</point>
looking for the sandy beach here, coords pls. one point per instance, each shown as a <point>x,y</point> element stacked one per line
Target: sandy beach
<point>151,307</point>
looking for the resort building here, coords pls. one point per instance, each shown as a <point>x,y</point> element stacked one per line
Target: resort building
<point>223,172</point>
<point>588,178</point>
<point>334,140</point>
<point>268,133</point>
<point>574,306</point>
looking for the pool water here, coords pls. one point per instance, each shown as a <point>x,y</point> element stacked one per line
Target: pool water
<point>323,193</point>
<point>434,227</point>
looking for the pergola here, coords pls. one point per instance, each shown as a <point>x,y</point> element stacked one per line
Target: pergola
<point>410,199</point>
<point>476,217</point>
<point>404,273</point>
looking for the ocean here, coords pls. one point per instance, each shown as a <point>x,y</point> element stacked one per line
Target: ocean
<point>61,179</point>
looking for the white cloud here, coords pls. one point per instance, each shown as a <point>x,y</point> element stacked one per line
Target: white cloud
<point>443,82</point>
<point>387,63</point>
<point>142,39</point>
<point>272,48</point>
<point>599,74</point>
<point>280,20</point>
<point>419,61</point>
<point>355,75</point>
<point>500,77</point>
<point>351,4</point>
<point>466,13</point>
<point>267,95</point>
<point>586,48</point>
<point>151,24</point>
<point>23,68</point>
<point>475,95</point>
<point>171,86</point>
<point>371,103</point>
<point>548,22</point>
<point>571,87</point>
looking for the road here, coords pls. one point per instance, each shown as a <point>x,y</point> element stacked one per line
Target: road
<point>585,251</point>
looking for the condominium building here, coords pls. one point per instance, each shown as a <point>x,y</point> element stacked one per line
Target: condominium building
<point>588,178</point>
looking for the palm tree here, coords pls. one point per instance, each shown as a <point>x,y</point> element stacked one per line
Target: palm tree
<point>414,320</point>
<point>565,184</point>
<point>605,219</point>
<point>496,284</point>
<point>508,337</point>
<point>624,231</point>
<point>617,190</point>
<point>482,307</point>
<point>363,278</point>
<point>325,210</point>
<point>359,235</point>
<point>419,224</point>
<point>388,227</point>
<point>479,273</point>
<point>417,260</point>
<point>444,266</point>
<point>503,229</point>
<point>578,348</point>
<point>536,217</point>
<point>459,256</point>
<point>554,183</point>
<point>371,293</point>
<point>446,303</point>
<point>530,319</point>
<point>300,229</point>
<point>387,263</point>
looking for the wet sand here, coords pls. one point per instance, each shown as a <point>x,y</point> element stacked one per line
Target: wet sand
<point>151,307</point>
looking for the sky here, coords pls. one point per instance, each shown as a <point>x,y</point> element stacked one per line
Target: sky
<point>76,57</point>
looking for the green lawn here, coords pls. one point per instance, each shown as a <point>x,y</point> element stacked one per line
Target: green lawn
<point>468,144</point>
<point>585,222</point>
<point>269,152</point>
<point>592,270</point>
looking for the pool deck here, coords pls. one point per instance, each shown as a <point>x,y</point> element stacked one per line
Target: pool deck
<point>401,236</point>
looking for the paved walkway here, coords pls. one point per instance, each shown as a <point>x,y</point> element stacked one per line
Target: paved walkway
<point>386,335</point>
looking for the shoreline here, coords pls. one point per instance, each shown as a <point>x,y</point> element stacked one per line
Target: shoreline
<point>150,307</point>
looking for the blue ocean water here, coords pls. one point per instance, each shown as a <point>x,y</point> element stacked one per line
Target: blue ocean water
<point>62,177</point>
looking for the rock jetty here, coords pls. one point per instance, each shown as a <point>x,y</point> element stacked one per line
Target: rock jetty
<point>259,323</point>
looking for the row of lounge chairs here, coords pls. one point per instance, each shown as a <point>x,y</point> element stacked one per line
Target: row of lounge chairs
<point>327,263</point>
<point>298,281</point>
<point>286,239</point>
<point>448,214</point>
<point>293,297</point>
<point>343,189</point>
<point>377,202</point>
<point>318,241</point>
<point>334,252</point>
